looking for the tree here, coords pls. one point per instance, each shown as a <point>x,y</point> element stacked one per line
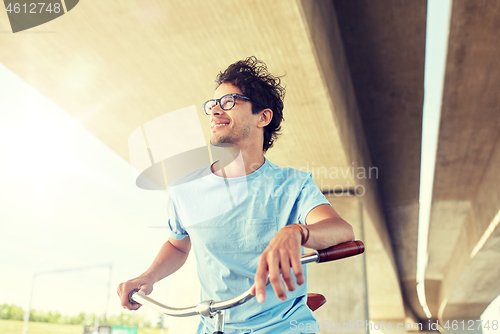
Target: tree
<point>11,312</point>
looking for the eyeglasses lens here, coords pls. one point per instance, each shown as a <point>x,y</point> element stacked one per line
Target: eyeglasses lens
<point>227,102</point>
<point>209,105</point>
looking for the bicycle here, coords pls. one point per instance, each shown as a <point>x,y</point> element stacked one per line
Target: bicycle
<point>209,308</point>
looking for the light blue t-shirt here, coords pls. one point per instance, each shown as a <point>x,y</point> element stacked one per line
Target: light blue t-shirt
<point>230,221</point>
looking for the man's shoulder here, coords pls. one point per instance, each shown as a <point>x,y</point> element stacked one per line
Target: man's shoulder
<point>289,171</point>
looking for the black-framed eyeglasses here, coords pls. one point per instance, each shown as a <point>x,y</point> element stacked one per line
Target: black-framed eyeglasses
<point>226,102</point>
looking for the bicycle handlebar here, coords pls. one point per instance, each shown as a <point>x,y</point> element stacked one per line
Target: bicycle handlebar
<point>341,251</point>
<point>209,308</point>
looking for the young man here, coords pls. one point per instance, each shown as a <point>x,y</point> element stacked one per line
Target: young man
<point>273,212</point>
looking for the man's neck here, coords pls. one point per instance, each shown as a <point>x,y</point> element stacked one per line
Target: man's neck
<point>244,162</point>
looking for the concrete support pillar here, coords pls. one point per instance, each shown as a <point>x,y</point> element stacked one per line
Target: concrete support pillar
<point>343,282</point>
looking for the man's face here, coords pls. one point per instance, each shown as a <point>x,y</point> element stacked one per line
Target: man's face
<point>236,126</point>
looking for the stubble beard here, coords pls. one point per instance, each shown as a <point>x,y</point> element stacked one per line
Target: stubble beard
<point>231,137</point>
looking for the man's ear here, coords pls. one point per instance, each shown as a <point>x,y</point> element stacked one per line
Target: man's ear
<point>265,117</point>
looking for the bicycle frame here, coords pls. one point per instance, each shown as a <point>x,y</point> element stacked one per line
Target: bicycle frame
<point>209,308</point>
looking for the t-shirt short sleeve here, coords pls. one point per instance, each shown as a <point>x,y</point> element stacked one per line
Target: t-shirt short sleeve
<point>310,196</point>
<point>174,226</point>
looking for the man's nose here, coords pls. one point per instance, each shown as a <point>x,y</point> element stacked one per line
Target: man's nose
<point>217,110</point>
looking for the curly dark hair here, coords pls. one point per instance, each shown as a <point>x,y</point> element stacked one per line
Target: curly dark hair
<point>255,82</point>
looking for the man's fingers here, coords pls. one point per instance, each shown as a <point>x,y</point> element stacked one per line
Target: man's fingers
<point>297,269</point>
<point>252,289</point>
<point>274,275</point>
<point>146,289</point>
<point>261,280</point>
<point>124,292</point>
<point>281,255</point>
<point>285,271</point>
<point>126,302</point>
<point>121,294</point>
<point>133,307</point>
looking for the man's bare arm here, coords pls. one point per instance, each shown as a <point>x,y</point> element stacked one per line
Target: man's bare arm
<point>170,258</point>
<point>326,228</point>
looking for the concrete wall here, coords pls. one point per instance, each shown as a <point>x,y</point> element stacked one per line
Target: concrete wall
<point>343,282</point>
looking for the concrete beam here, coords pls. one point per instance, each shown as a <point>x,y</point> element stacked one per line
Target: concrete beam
<point>470,282</point>
<point>463,235</point>
<point>384,41</point>
<point>321,20</point>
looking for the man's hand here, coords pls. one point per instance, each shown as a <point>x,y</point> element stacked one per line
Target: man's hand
<point>144,284</point>
<point>282,253</point>
<point>171,257</point>
<point>325,228</point>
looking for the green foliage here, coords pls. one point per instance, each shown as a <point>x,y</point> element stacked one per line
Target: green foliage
<point>16,327</point>
<point>40,316</point>
<point>127,319</point>
<point>13,312</point>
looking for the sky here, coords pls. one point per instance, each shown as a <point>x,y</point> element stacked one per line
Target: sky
<point>67,201</point>
<point>437,30</point>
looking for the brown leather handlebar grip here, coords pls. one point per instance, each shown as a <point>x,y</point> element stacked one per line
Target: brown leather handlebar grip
<point>341,251</point>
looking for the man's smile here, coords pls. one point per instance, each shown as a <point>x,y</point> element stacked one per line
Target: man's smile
<point>219,124</point>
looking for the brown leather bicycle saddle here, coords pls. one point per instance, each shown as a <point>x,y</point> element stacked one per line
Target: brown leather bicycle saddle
<point>315,300</point>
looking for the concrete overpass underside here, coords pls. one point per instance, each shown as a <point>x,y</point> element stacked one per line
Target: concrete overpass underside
<point>385,48</point>
<point>463,274</point>
<point>386,64</point>
<point>354,77</point>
